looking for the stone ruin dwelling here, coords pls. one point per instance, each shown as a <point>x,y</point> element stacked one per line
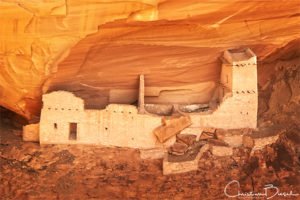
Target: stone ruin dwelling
<point>64,119</point>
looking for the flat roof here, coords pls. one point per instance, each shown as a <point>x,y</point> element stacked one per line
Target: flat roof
<point>240,54</point>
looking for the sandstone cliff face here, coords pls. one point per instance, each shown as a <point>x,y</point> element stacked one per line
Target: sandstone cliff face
<point>97,49</point>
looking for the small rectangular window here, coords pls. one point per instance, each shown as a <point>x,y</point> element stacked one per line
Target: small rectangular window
<point>55,125</point>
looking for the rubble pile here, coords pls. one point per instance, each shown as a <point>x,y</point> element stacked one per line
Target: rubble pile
<point>184,154</point>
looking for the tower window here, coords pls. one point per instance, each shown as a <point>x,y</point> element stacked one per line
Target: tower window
<point>55,125</point>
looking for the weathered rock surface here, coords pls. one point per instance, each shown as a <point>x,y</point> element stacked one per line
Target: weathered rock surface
<point>206,135</point>
<point>248,141</point>
<point>280,96</point>
<point>221,151</point>
<point>178,148</point>
<point>260,143</point>
<point>233,138</point>
<point>98,49</point>
<point>170,167</point>
<point>192,131</point>
<point>186,139</point>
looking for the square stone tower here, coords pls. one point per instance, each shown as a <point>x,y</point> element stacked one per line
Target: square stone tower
<point>239,70</point>
<point>239,76</point>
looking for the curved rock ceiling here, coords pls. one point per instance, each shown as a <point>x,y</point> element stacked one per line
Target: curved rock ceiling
<point>97,48</point>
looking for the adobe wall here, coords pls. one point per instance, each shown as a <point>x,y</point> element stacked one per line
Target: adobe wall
<point>117,125</point>
<point>121,125</point>
<point>59,109</point>
<point>244,76</point>
<point>237,111</point>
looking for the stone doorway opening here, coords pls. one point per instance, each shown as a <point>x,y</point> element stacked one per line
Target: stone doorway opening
<point>73,131</point>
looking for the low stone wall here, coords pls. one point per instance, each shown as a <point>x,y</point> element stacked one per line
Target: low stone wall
<point>31,132</point>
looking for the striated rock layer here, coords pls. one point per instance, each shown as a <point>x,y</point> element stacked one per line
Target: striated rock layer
<point>97,49</point>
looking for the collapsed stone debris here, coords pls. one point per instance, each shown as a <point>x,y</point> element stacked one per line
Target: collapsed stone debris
<point>171,127</point>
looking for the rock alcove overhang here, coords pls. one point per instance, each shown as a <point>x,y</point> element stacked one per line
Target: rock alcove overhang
<point>76,46</point>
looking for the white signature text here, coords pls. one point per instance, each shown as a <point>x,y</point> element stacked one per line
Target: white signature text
<point>269,191</point>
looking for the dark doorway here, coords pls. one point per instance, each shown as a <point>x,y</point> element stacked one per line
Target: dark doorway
<point>73,131</point>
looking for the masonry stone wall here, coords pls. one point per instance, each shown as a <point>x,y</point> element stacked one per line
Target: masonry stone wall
<point>244,76</point>
<point>121,125</point>
<point>237,111</point>
<point>59,110</point>
<point>117,125</point>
